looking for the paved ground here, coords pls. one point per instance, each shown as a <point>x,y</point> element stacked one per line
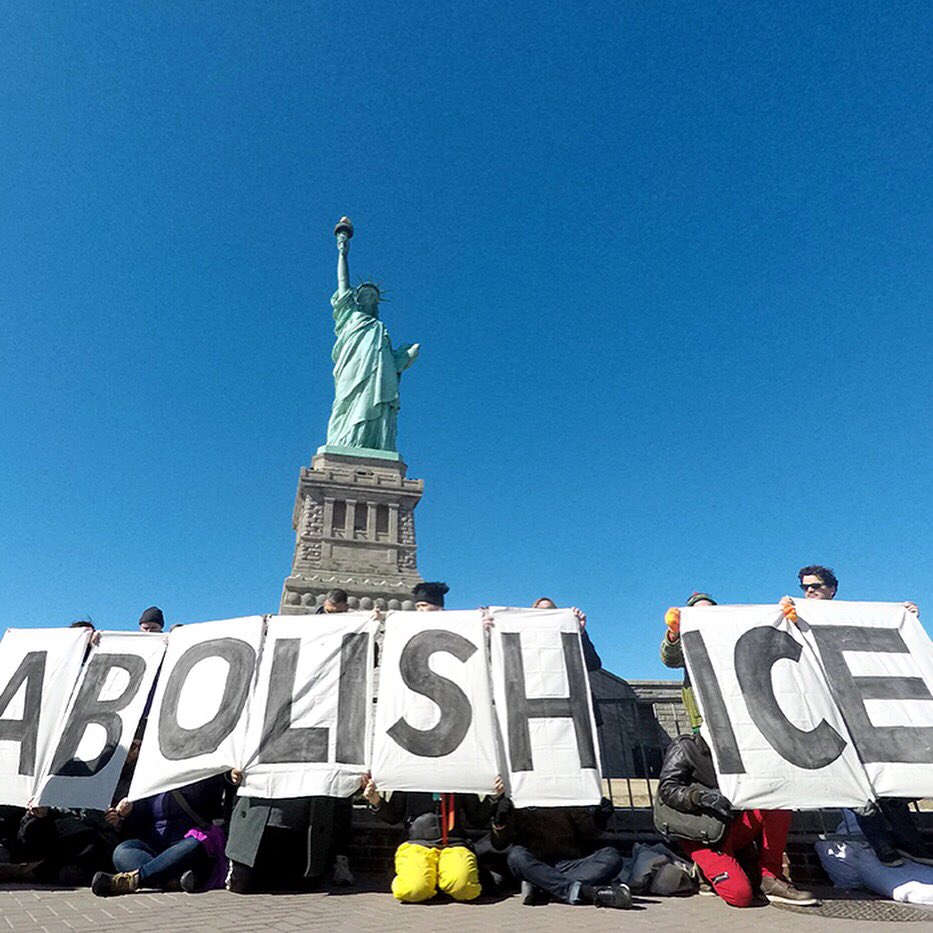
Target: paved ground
<point>57,909</point>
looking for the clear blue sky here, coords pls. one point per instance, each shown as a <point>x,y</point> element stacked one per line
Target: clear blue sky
<point>670,265</point>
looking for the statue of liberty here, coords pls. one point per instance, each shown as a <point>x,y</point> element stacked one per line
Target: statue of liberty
<point>366,368</point>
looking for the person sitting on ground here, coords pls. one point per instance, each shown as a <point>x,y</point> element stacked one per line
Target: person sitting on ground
<point>887,823</point>
<point>152,620</point>
<point>438,855</point>
<point>672,654</point>
<point>429,597</point>
<point>174,838</point>
<point>335,601</point>
<point>553,852</point>
<point>737,872</point>
<point>65,846</point>
<point>287,843</point>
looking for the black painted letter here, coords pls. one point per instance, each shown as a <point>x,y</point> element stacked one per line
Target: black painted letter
<point>520,708</point>
<point>25,730</point>
<point>755,655</point>
<point>88,708</point>
<point>177,743</point>
<point>456,712</point>
<point>899,744</point>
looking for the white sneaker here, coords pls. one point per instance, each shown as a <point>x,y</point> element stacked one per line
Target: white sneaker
<point>342,874</point>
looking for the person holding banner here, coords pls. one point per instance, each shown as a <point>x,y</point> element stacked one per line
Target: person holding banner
<point>552,852</point>
<point>672,655</point>
<point>429,597</point>
<point>886,823</point>
<point>175,838</point>
<point>737,873</point>
<point>438,855</point>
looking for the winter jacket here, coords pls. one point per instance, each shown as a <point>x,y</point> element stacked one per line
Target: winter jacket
<point>686,772</point>
<point>672,655</point>
<point>551,833</point>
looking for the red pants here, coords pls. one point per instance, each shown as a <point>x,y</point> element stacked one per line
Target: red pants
<point>729,881</point>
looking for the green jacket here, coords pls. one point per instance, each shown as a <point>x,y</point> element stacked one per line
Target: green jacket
<point>672,655</point>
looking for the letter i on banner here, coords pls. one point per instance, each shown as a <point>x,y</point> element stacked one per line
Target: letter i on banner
<point>545,708</point>
<point>434,722</point>
<point>102,718</point>
<point>310,718</point>
<point>38,670</point>
<point>197,726</point>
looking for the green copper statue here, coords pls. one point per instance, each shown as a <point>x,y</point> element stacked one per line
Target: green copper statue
<point>366,368</point>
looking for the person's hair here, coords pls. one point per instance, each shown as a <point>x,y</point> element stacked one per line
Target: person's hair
<point>824,573</point>
<point>335,597</point>
<point>82,623</point>
<point>543,599</point>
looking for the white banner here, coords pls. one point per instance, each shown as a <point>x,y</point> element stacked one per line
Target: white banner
<point>101,721</point>
<point>38,670</point>
<point>310,721</point>
<point>878,661</point>
<point>544,708</point>
<point>830,712</point>
<point>434,722</point>
<point>197,725</point>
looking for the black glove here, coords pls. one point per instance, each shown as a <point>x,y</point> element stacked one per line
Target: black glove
<point>713,800</point>
<point>504,809</point>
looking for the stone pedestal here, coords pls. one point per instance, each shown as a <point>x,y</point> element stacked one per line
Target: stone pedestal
<point>354,527</point>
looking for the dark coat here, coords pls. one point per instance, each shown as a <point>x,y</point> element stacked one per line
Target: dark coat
<point>314,816</point>
<point>552,833</point>
<point>687,771</point>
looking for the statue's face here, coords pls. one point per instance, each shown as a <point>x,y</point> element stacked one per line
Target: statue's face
<point>368,299</point>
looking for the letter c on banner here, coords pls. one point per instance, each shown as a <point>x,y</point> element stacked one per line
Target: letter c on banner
<point>456,712</point>
<point>177,743</point>
<point>755,655</point>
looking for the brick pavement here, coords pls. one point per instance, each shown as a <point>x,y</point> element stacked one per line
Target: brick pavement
<point>57,910</point>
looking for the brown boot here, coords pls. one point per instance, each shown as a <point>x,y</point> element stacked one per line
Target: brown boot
<point>123,882</point>
<point>783,892</point>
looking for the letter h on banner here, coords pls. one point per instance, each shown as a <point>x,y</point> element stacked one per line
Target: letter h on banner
<point>531,712</point>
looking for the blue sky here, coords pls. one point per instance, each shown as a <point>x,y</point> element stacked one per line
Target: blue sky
<point>670,266</point>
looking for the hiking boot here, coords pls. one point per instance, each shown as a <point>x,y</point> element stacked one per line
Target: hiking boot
<point>342,874</point>
<point>123,882</point>
<point>533,896</point>
<point>890,859</point>
<point>780,891</point>
<point>189,882</point>
<point>613,895</point>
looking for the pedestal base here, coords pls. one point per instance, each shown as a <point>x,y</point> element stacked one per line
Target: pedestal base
<point>354,530</point>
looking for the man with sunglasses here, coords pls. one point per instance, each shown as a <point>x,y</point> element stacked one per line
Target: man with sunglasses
<point>886,823</point>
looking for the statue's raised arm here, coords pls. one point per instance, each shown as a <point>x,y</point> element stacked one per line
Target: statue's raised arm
<point>343,231</point>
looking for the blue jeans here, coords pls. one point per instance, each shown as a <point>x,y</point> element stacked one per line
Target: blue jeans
<point>563,878</point>
<point>887,826</point>
<point>157,869</point>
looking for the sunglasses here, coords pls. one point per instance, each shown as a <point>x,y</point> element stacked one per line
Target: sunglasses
<point>811,586</point>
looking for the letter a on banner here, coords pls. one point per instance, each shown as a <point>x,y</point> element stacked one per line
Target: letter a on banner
<point>102,718</point>
<point>38,670</point>
<point>310,717</point>
<point>197,725</point>
<point>434,723</point>
<point>545,709</point>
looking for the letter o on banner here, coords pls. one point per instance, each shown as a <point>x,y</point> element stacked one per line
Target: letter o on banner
<point>176,742</point>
